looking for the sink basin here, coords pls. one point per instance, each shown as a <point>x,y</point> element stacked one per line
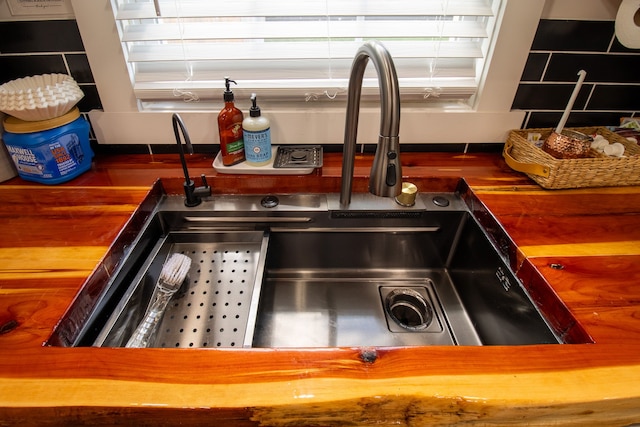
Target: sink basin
<point>300,271</point>
<point>329,288</point>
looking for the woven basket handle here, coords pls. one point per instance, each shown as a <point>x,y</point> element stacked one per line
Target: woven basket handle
<point>529,168</point>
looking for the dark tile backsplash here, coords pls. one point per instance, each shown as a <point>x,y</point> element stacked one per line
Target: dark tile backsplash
<point>614,97</point>
<point>562,35</point>
<point>541,96</point>
<point>535,66</point>
<point>29,48</point>
<point>560,49</point>
<point>16,66</point>
<point>600,68</point>
<point>79,67</point>
<point>543,119</point>
<point>40,36</point>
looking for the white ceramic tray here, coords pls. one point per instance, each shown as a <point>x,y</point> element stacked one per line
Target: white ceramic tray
<point>268,169</point>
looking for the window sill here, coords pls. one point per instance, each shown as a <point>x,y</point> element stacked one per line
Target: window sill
<point>313,126</point>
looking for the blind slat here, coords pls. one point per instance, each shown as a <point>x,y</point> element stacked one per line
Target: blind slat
<point>298,69</point>
<point>139,10</point>
<point>296,50</point>
<point>302,30</point>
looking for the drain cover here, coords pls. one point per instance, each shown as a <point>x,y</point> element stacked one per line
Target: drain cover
<point>410,309</point>
<point>297,156</point>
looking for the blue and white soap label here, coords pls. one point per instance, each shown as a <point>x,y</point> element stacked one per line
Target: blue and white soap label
<point>257,145</point>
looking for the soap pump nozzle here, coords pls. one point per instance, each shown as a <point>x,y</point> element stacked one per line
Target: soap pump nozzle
<point>228,94</point>
<point>254,111</point>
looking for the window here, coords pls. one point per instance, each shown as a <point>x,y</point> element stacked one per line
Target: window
<point>452,56</point>
<point>291,49</point>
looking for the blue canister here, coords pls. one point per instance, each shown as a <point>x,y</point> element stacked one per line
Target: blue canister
<point>49,151</point>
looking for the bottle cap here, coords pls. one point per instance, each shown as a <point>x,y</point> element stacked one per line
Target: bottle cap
<point>15,125</point>
<point>254,111</point>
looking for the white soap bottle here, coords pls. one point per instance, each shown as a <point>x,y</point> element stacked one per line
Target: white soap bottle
<point>257,136</point>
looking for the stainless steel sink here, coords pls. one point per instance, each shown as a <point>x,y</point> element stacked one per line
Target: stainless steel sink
<point>327,287</point>
<point>299,271</point>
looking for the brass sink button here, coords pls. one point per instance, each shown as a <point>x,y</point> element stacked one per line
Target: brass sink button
<point>408,195</point>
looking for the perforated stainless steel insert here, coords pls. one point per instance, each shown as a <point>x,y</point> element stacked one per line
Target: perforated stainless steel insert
<point>217,304</point>
<point>212,307</point>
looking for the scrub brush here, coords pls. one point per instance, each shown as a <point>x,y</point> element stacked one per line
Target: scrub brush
<point>173,273</point>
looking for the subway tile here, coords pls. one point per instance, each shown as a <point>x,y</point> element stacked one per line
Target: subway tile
<point>534,68</point>
<point>617,47</point>
<point>333,148</point>
<point>541,96</point>
<point>79,67</point>
<point>433,148</point>
<point>564,67</point>
<point>91,99</point>
<point>15,67</point>
<point>40,36</point>
<point>92,135</point>
<point>525,120</point>
<point>565,35</point>
<point>576,119</point>
<point>611,118</point>
<point>615,97</point>
<point>173,148</point>
<point>405,148</point>
<point>481,147</point>
<point>111,149</point>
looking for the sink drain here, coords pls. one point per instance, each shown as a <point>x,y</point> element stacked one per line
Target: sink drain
<point>409,309</point>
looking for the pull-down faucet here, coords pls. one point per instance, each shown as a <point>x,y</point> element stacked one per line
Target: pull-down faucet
<point>386,171</point>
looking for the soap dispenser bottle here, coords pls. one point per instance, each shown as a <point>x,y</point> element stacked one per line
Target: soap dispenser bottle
<point>230,129</point>
<point>257,136</point>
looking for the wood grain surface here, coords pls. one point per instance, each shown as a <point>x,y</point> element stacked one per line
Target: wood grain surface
<point>584,244</point>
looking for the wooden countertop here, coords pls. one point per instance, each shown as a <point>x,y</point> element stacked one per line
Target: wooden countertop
<point>585,243</point>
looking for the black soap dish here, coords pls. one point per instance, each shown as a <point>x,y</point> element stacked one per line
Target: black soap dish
<point>298,156</point>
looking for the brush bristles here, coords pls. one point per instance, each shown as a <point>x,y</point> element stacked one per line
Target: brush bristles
<point>175,270</point>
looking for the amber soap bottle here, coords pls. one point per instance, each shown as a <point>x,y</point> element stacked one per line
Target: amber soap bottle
<point>230,129</point>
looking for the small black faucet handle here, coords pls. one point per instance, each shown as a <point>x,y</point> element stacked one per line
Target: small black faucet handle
<point>204,190</point>
<point>204,181</point>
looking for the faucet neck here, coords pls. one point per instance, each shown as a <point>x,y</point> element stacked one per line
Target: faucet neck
<point>192,193</point>
<point>178,125</point>
<point>386,172</point>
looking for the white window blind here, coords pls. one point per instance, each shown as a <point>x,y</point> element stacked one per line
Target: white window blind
<point>302,49</point>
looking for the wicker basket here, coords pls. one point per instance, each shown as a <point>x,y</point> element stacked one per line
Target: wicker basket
<point>598,170</point>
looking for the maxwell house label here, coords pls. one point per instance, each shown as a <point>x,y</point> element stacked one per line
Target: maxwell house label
<point>55,159</point>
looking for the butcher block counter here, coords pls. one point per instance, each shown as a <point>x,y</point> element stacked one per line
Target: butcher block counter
<point>583,244</point>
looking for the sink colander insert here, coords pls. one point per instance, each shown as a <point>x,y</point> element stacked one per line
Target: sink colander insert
<point>214,304</point>
<point>212,309</point>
